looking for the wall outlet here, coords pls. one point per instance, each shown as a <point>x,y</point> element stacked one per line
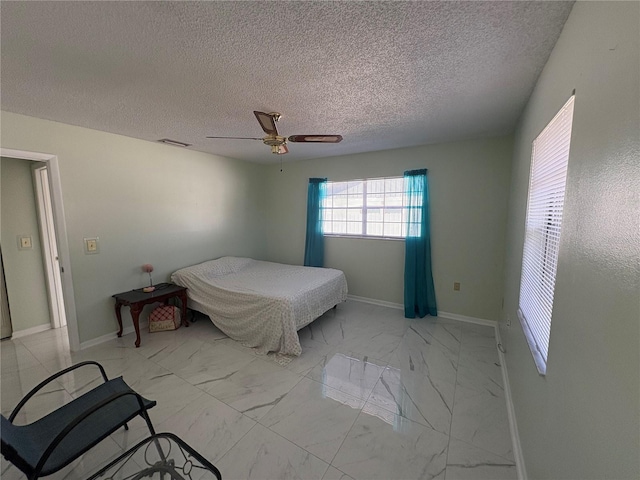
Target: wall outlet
<point>91,246</point>
<point>456,286</point>
<point>25,242</point>
<point>508,320</point>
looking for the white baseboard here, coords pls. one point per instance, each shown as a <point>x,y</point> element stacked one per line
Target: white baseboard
<point>511,412</point>
<point>30,331</point>
<point>399,306</point>
<point>464,318</point>
<point>373,301</point>
<point>110,336</point>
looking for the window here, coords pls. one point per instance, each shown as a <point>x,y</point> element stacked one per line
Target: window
<point>549,158</point>
<point>372,207</point>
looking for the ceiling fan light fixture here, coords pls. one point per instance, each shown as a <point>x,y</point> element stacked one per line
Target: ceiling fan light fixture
<point>279,149</point>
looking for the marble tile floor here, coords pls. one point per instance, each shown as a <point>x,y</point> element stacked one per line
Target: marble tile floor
<point>373,396</point>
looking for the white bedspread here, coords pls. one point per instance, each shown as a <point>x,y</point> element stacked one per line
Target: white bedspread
<point>262,304</point>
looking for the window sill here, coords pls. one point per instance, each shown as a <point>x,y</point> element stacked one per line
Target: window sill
<point>363,237</point>
<point>541,364</point>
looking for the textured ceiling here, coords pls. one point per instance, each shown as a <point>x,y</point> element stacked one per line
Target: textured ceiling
<point>382,74</point>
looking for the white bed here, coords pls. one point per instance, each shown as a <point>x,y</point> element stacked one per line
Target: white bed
<point>262,304</point>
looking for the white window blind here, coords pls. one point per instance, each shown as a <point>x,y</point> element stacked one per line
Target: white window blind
<point>548,177</point>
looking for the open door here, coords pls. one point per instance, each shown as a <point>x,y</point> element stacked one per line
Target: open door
<point>49,247</point>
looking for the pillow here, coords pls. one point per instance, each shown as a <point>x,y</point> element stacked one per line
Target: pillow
<point>213,268</point>
<point>165,317</point>
<point>225,265</point>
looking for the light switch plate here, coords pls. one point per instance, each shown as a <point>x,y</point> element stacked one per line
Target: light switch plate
<point>91,245</point>
<point>25,242</point>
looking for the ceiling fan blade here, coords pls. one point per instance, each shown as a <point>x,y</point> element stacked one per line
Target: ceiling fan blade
<point>239,138</point>
<point>267,122</point>
<point>315,138</point>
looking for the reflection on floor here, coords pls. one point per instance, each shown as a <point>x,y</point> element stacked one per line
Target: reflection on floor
<point>373,396</point>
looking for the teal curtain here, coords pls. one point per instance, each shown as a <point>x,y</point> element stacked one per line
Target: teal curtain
<point>419,293</point>
<point>314,245</point>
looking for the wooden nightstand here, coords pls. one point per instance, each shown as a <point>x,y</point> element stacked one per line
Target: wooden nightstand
<point>136,299</point>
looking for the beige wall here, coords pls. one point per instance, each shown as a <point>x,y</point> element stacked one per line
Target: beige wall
<point>147,203</point>
<point>24,269</point>
<point>150,203</point>
<point>468,183</point>
<point>582,421</point>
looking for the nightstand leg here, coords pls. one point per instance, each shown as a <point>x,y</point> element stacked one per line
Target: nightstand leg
<point>135,315</point>
<point>183,308</point>
<point>119,317</point>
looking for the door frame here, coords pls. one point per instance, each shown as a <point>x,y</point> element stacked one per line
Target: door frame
<point>55,187</point>
<point>6,326</point>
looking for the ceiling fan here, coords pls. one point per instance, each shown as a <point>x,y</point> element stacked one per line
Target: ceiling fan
<point>277,142</point>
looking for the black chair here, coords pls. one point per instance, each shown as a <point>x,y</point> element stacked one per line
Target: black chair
<point>52,442</point>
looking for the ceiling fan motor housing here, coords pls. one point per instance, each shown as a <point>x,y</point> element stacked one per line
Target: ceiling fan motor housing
<point>274,140</point>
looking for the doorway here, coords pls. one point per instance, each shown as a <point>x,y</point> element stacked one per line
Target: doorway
<point>65,296</point>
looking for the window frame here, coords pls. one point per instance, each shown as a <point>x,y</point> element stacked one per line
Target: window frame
<point>543,228</point>
<point>363,235</point>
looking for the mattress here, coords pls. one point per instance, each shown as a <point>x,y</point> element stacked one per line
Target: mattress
<point>262,304</point>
